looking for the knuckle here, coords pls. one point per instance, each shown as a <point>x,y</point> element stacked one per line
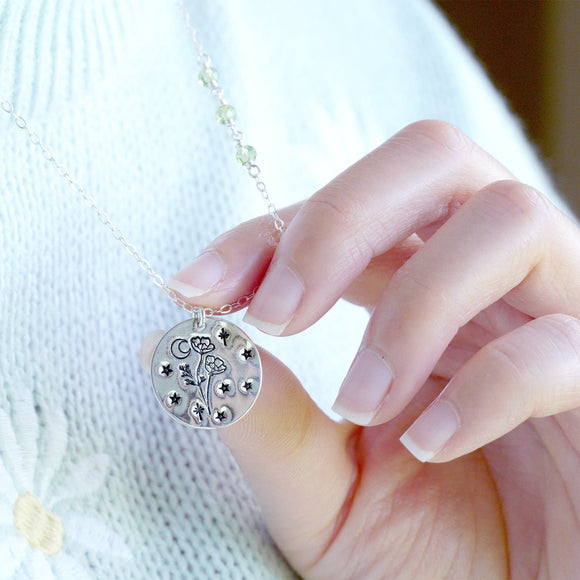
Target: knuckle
<point>504,366</point>
<point>337,212</point>
<point>504,361</point>
<point>420,293</point>
<point>514,359</point>
<point>563,322</point>
<point>518,200</point>
<point>331,206</point>
<point>443,134</point>
<point>564,332</point>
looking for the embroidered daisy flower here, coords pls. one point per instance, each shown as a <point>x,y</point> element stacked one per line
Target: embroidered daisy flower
<point>38,533</point>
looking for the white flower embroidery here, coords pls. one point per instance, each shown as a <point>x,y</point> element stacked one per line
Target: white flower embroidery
<point>37,539</point>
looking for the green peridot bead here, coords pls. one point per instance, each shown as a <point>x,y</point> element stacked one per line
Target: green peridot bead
<point>207,76</point>
<point>225,114</point>
<point>246,154</point>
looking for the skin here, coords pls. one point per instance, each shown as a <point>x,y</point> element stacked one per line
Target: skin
<point>455,260</point>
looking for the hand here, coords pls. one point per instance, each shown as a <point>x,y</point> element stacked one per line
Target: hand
<point>472,354</point>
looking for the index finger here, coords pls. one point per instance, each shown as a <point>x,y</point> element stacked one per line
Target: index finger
<point>417,178</point>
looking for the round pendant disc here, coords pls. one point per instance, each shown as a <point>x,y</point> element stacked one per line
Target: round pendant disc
<point>206,377</point>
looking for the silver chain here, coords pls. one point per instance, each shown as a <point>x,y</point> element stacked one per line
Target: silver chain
<point>217,91</point>
<point>237,136</point>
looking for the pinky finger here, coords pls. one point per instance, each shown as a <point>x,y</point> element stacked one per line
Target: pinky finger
<point>534,371</point>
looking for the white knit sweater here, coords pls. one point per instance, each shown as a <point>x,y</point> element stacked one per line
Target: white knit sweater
<point>112,87</point>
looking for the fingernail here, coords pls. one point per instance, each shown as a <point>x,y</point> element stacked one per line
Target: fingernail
<point>276,301</point>
<point>432,430</point>
<point>365,387</point>
<point>200,276</point>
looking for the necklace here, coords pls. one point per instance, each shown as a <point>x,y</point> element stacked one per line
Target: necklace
<point>205,371</point>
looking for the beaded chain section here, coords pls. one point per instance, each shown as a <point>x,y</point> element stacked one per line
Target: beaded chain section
<point>245,154</point>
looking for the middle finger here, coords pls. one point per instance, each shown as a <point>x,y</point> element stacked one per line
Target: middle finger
<point>499,238</point>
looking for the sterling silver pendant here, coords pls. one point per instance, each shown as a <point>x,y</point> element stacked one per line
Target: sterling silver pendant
<point>206,373</point>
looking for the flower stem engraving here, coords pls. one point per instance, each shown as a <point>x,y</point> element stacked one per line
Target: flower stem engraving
<point>201,372</point>
<point>214,365</point>
<point>202,345</point>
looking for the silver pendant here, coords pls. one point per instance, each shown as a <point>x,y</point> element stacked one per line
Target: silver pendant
<point>206,373</point>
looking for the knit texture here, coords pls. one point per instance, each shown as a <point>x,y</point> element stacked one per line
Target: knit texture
<point>112,88</point>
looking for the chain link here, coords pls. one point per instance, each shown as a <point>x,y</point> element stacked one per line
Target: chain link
<point>217,91</point>
<point>254,172</point>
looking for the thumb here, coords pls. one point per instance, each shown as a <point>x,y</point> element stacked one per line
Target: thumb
<point>297,461</point>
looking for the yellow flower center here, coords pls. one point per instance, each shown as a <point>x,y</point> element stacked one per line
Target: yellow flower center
<point>39,527</point>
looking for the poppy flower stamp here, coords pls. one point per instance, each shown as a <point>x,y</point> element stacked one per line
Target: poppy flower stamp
<point>206,377</point>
